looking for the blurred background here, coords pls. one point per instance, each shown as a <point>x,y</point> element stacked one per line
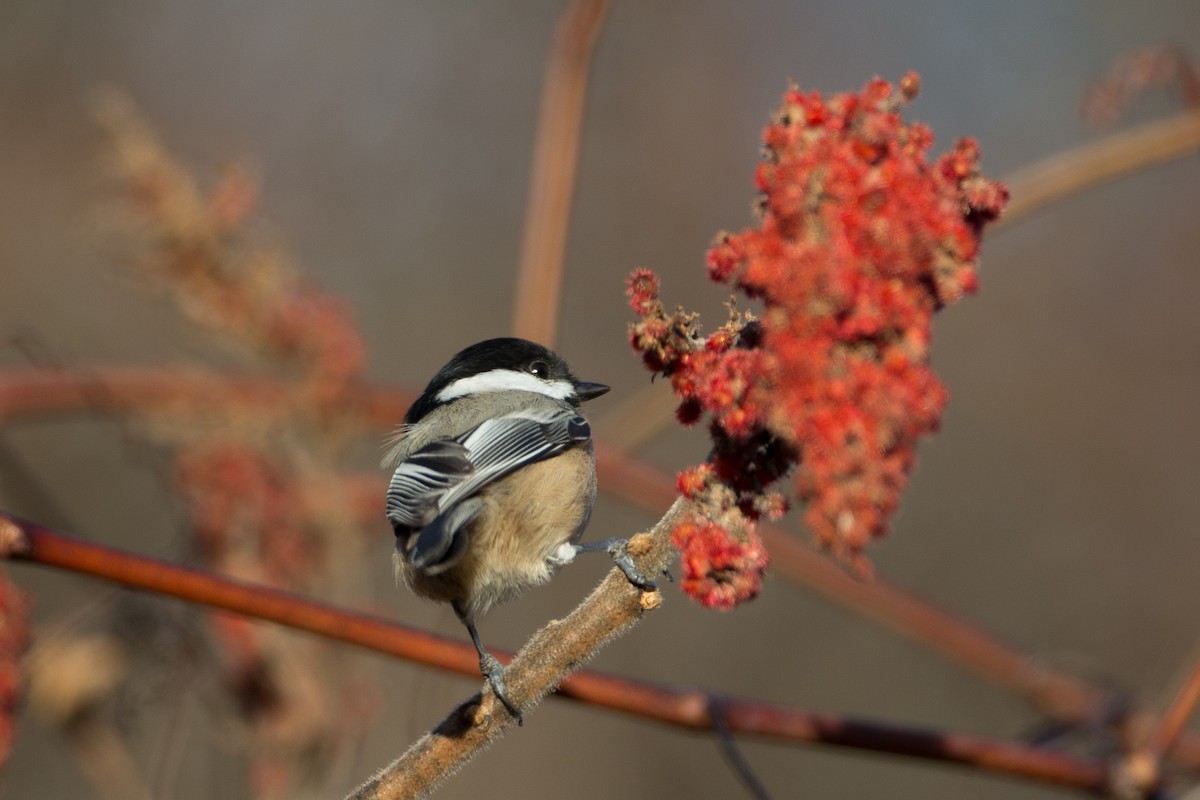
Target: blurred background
<point>1056,508</point>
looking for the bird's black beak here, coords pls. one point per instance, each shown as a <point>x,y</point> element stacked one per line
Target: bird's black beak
<point>585,390</point>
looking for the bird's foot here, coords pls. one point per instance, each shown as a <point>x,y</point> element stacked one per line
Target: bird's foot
<point>618,548</point>
<point>493,671</point>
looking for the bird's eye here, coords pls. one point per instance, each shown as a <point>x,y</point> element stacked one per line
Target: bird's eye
<point>540,369</point>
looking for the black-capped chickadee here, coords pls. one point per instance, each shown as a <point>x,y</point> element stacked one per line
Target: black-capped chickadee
<point>494,483</point>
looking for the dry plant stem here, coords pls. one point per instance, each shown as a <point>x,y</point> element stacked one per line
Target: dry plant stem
<point>695,709</point>
<point>551,654</point>
<point>556,150</point>
<point>687,708</point>
<point>1063,174</point>
<point>718,715</point>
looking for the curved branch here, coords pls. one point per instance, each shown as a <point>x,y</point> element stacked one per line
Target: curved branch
<point>1056,177</point>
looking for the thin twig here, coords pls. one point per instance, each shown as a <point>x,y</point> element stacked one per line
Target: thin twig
<point>719,714</point>
<point>1063,174</point>
<point>552,184</point>
<point>685,708</point>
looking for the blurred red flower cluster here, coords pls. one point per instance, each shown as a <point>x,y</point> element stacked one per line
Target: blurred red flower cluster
<point>14,639</point>
<point>859,241</point>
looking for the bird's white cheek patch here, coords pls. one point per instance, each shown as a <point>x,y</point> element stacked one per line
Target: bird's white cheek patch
<point>505,380</point>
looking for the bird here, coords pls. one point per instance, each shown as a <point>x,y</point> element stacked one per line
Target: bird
<point>493,483</point>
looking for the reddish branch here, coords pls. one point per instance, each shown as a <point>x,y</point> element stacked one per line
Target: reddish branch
<point>686,708</point>
<point>547,217</point>
<point>1177,714</point>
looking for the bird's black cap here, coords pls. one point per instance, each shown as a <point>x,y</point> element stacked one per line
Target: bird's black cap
<point>506,352</point>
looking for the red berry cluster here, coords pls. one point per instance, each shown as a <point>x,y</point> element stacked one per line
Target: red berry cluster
<point>859,242</point>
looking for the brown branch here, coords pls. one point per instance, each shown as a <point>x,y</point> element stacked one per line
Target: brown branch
<point>21,540</point>
<point>696,709</point>
<point>552,185</point>
<point>691,709</point>
<point>1063,174</point>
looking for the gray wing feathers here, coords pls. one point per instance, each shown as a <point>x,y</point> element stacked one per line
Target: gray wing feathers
<point>501,445</point>
<point>432,490</point>
<point>422,478</point>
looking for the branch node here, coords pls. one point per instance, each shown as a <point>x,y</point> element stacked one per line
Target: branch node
<point>13,541</point>
<point>650,600</point>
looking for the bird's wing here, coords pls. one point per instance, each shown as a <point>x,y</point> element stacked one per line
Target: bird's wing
<point>432,485</point>
<point>422,479</point>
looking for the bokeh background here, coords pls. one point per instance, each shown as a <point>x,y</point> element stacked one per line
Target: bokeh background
<point>1056,508</point>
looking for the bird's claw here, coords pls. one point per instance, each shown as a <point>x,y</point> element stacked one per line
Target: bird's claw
<point>619,550</point>
<point>493,671</point>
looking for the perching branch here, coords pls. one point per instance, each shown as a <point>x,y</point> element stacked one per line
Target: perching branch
<point>552,653</point>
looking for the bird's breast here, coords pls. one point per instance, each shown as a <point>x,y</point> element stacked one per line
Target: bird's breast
<point>518,540</point>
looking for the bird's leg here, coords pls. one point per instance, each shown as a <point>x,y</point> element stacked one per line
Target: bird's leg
<point>492,669</point>
<point>618,548</point>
